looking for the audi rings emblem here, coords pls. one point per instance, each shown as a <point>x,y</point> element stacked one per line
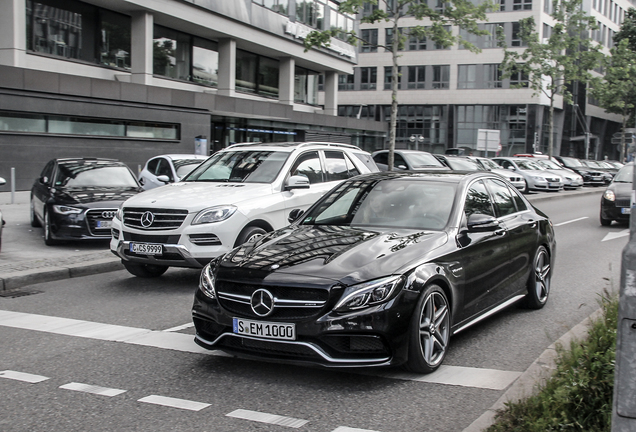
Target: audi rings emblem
<point>108,214</point>
<point>147,219</point>
<point>262,302</point>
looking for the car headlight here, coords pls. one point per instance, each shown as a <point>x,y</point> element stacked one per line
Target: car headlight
<point>609,195</point>
<point>214,214</point>
<point>119,214</point>
<point>65,210</point>
<point>206,282</point>
<point>368,293</point>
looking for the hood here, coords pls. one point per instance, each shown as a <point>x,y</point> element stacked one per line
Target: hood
<point>94,196</point>
<point>345,254</point>
<point>621,190</point>
<point>196,196</point>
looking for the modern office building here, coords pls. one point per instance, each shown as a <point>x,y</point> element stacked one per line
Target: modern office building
<point>446,95</point>
<point>130,79</point>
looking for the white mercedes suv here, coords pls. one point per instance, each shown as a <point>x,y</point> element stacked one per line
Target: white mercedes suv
<point>235,196</point>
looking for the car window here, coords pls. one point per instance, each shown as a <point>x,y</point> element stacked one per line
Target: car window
<point>184,166</point>
<point>488,164</point>
<point>338,166</point>
<point>381,158</point>
<point>502,198</point>
<point>366,159</point>
<point>398,161</point>
<point>152,166</point>
<point>478,200</point>
<point>423,160</point>
<point>338,209</point>
<point>243,166</point>
<point>625,175</point>
<point>48,170</point>
<point>164,169</point>
<point>519,202</point>
<point>308,165</point>
<point>461,164</point>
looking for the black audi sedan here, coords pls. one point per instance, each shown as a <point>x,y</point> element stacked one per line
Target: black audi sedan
<point>616,200</point>
<point>382,270</point>
<point>77,198</point>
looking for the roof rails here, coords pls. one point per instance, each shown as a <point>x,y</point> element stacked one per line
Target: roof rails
<point>290,144</point>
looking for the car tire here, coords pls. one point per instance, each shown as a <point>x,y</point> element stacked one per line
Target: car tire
<point>539,280</point>
<point>526,189</point>
<point>144,270</point>
<point>250,234</point>
<point>35,223</point>
<point>48,235</point>
<point>428,343</point>
<point>605,222</point>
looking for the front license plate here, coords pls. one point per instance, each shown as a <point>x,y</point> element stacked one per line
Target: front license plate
<point>146,248</point>
<point>266,330</point>
<point>626,210</point>
<point>104,224</point>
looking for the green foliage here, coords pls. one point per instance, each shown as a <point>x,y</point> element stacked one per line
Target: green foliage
<point>628,29</point>
<point>578,397</point>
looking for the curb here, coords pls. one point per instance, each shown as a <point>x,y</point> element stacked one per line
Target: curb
<point>535,376</point>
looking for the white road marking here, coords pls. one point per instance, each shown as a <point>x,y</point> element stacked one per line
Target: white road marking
<point>458,375</point>
<point>174,402</point>
<point>348,429</point>
<point>615,235</point>
<point>570,221</point>
<point>181,327</point>
<point>22,376</point>
<point>267,418</point>
<point>449,375</point>
<point>88,388</point>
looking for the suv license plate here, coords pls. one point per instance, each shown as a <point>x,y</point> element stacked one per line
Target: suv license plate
<point>146,248</point>
<point>266,330</point>
<point>626,210</point>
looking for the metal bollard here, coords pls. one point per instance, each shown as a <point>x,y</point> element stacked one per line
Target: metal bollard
<point>12,185</point>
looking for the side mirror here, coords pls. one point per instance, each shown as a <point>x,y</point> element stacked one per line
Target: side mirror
<point>402,167</point>
<point>295,214</point>
<point>297,182</point>
<point>511,168</point>
<point>478,222</point>
<point>163,178</point>
<point>2,181</point>
<point>44,180</point>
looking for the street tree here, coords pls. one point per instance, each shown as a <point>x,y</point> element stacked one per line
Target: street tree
<point>553,64</point>
<point>628,29</point>
<point>436,26</point>
<point>616,91</point>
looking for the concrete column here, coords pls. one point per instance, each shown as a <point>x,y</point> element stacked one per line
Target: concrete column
<point>331,93</point>
<point>13,33</point>
<point>286,81</point>
<point>227,67</point>
<point>141,47</point>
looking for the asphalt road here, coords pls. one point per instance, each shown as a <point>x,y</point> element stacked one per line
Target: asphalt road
<point>90,338</point>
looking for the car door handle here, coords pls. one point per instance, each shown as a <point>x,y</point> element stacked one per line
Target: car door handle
<point>500,232</point>
<point>532,223</point>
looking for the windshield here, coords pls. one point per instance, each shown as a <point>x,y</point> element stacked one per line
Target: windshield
<point>423,160</point>
<point>185,166</point>
<point>571,162</point>
<point>488,164</point>
<point>242,166</point>
<point>461,164</point>
<point>549,165</point>
<point>78,174</point>
<point>527,165</point>
<point>625,174</point>
<point>395,203</point>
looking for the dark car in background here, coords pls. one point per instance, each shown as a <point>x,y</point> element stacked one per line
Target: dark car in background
<point>413,160</point>
<point>460,163</point>
<point>77,198</point>
<point>591,176</point>
<point>381,271</point>
<point>616,200</point>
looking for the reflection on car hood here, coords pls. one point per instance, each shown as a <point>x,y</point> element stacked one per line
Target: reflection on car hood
<point>621,190</point>
<point>195,196</point>
<point>345,254</point>
<point>100,196</point>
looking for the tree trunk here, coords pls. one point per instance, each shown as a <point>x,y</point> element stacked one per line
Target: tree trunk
<point>551,128</point>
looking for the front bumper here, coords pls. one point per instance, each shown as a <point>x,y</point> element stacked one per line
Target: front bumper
<point>611,211</point>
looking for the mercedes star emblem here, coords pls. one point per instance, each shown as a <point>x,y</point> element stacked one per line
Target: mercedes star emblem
<point>147,219</point>
<point>262,302</point>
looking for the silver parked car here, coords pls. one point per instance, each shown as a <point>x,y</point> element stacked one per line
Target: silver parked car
<point>536,178</point>
<point>515,179</point>
<point>571,180</point>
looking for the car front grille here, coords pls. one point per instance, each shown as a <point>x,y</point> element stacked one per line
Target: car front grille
<point>264,347</point>
<point>93,217</point>
<point>622,203</point>
<point>153,219</point>
<point>293,303</point>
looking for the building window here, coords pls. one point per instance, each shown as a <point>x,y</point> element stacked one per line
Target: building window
<point>337,20</point>
<point>280,6</point>
<point>519,79</point>
<point>516,38</point>
<point>369,40</point>
<point>311,13</point>
<point>416,77</point>
<point>171,53</point>
<point>441,77</point>
<point>492,76</point>
<point>388,37</point>
<point>415,43</point>
<point>368,78</point>
<point>256,74</point>
<point>306,86</point>
<point>522,5</point>
<point>205,62</point>
<point>345,82</point>
<point>368,9</point>
<point>388,73</point>
<point>467,76</point>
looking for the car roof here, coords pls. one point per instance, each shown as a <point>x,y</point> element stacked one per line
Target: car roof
<point>289,146</point>
<point>86,159</point>
<point>181,156</point>
<point>402,151</point>
<point>446,176</point>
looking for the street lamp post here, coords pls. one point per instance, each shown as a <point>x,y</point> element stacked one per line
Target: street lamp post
<point>417,139</point>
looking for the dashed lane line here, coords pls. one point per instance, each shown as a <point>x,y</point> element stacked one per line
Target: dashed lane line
<point>93,389</point>
<point>174,402</point>
<point>268,418</point>
<point>570,221</point>
<point>448,375</point>
<point>348,429</point>
<point>22,376</point>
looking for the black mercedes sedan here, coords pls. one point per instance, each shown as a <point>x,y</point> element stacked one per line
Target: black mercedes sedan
<point>382,270</point>
<point>77,198</point>
<point>616,200</point>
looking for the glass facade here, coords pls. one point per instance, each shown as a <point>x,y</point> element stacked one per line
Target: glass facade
<point>256,74</point>
<point>306,86</point>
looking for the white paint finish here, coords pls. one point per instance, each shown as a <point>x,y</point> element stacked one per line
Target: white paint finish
<point>460,376</point>
<point>174,402</point>
<point>88,388</point>
<point>267,418</point>
<point>348,429</point>
<point>22,376</point>
<point>178,328</point>
<point>616,235</point>
<point>571,221</point>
